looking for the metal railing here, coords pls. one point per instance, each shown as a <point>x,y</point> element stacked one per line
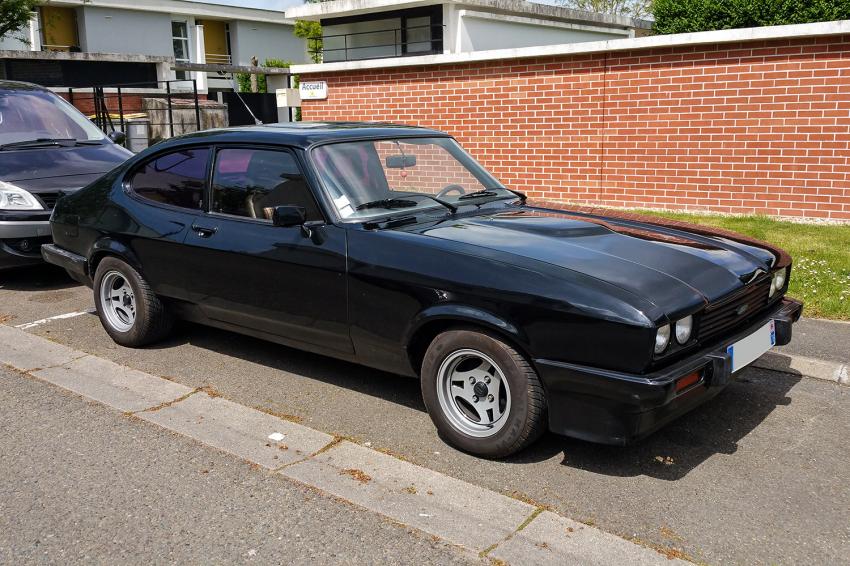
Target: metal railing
<point>218,59</point>
<point>354,49</point>
<point>109,106</point>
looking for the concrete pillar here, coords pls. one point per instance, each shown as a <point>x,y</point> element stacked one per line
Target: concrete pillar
<point>201,57</point>
<point>35,33</point>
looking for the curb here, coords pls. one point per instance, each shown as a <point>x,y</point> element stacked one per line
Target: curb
<point>495,526</point>
<point>807,367</point>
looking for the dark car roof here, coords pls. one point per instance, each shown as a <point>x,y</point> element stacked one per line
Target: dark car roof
<point>305,134</point>
<point>17,85</point>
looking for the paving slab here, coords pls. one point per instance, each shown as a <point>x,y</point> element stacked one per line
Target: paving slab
<point>258,437</point>
<point>451,509</point>
<point>112,384</point>
<point>25,352</point>
<point>552,539</point>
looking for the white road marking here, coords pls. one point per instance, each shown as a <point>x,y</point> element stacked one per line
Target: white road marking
<point>276,436</point>
<point>39,322</point>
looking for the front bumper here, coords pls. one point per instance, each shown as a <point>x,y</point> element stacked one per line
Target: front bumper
<point>617,408</point>
<point>21,240</point>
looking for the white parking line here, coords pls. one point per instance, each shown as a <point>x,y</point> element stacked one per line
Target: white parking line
<point>39,322</point>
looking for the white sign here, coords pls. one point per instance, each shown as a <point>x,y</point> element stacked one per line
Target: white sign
<point>313,90</point>
<point>288,98</point>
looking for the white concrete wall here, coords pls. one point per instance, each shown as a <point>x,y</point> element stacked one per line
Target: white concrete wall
<point>265,41</point>
<point>479,34</point>
<point>106,30</point>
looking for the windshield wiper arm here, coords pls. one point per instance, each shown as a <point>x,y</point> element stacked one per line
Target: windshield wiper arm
<point>39,142</point>
<point>387,203</point>
<point>476,194</point>
<point>447,204</point>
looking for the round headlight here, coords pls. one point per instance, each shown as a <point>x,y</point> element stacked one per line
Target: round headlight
<point>779,278</point>
<point>683,329</point>
<point>662,338</point>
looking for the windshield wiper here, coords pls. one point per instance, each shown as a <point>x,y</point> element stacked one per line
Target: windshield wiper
<point>447,204</point>
<point>491,193</point>
<point>387,203</point>
<point>42,142</point>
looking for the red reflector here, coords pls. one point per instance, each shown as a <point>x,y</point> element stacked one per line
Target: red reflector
<point>687,381</point>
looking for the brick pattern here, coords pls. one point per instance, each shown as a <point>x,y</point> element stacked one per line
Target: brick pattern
<point>755,127</point>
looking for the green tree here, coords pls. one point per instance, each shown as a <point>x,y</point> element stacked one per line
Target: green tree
<point>15,14</point>
<point>312,32</point>
<point>630,8</point>
<point>244,79</point>
<point>685,16</point>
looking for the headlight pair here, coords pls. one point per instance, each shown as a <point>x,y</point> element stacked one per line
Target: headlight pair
<point>778,281</point>
<point>682,329</point>
<point>16,198</point>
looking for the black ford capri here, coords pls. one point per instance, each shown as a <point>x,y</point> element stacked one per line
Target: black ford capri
<point>391,247</point>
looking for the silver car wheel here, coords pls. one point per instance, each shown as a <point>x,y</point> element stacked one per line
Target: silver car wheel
<point>117,301</point>
<point>473,393</point>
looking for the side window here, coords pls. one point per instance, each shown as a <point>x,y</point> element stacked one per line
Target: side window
<point>251,182</point>
<point>176,178</point>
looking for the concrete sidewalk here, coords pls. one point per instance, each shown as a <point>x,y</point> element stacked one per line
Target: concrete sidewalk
<point>819,349</point>
<point>483,522</point>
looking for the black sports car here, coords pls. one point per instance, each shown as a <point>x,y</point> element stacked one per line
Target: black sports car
<point>391,247</point>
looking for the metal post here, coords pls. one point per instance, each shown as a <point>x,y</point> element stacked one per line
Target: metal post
<point>121,111</point>
<point>197,108</point>
<point>345,45</point>
<point>168,101</point>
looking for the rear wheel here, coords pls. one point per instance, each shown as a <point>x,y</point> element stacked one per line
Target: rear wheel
<point>129,310</point>
<point>483,396</point>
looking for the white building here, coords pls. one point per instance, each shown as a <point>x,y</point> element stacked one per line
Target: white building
<point>354,30</point>
<point>87,42</point>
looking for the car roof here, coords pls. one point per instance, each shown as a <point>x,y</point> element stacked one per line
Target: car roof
<point>18,85</point>
<point>305,134</point>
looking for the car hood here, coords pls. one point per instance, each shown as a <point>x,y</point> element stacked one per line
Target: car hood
<point>25,167</point>
<point>672,268</point>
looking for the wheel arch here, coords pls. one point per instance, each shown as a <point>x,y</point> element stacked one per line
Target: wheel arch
<point>431,322</point>
<point>109,247</point>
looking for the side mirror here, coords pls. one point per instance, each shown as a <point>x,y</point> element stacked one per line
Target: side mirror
<point>289,215</point>
<point>117,136</point>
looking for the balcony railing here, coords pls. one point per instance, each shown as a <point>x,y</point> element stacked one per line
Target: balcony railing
<point>218,59</point>
<point>378,44</point>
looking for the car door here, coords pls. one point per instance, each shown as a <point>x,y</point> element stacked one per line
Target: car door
<point>166,193</point>
<point>284,281</point>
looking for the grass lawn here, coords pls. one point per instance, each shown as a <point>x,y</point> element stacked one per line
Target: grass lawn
<point>820,275</point>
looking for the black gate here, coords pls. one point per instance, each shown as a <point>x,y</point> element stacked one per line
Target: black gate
<point>262,105</point>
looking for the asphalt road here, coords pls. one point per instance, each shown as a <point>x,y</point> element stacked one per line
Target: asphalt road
<point>80,483</point>
<point>756,476</point>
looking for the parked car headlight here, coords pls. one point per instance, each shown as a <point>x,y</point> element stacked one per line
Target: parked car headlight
<point>684,328</point>
<point>16,198</point>
<point>778,280</point>
<point>662,338</point>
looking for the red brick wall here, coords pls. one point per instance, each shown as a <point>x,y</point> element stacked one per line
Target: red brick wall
<point>758,127</point>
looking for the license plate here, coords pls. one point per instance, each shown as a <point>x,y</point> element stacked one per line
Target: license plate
<point>745,351</point>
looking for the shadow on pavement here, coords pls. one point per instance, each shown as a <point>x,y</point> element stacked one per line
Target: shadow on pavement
<point>668,454</point>
<point>36,278</point>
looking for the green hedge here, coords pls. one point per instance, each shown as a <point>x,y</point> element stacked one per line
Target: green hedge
<point>683,16</point>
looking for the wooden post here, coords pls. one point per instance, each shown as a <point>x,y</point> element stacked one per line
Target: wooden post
<point>255,87</point>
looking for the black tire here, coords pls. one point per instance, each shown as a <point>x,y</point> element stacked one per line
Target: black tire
<point>526,418</point>
<point>153,321</point>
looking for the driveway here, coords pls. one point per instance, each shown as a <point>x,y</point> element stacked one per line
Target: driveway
<point>758,475</point>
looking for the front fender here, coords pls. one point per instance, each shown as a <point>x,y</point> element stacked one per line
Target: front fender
<point>464,313</point>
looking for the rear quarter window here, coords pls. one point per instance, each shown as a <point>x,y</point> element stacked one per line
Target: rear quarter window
<point>176,179</point>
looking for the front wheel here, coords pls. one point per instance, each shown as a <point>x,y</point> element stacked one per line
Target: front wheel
<point>129,310</point>
<point>482,395</point>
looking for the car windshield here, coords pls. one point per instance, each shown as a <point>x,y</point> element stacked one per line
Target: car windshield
<point>27,115</point>
<point>401,176</point>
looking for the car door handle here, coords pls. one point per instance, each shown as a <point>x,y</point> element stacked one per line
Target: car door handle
<point>203,231</point>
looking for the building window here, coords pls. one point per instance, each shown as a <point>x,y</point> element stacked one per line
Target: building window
<point>180,40</point>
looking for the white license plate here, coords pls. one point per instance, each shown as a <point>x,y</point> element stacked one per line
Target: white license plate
<point>745,351</point>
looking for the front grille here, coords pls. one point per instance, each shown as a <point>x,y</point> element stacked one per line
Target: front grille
<point>49,199</point>
<point>726,315</point>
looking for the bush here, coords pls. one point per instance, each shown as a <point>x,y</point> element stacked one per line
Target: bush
<point>243,80</point>
<point>684,16</point>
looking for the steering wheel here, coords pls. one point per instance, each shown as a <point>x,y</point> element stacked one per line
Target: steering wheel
<point>451,188</point>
